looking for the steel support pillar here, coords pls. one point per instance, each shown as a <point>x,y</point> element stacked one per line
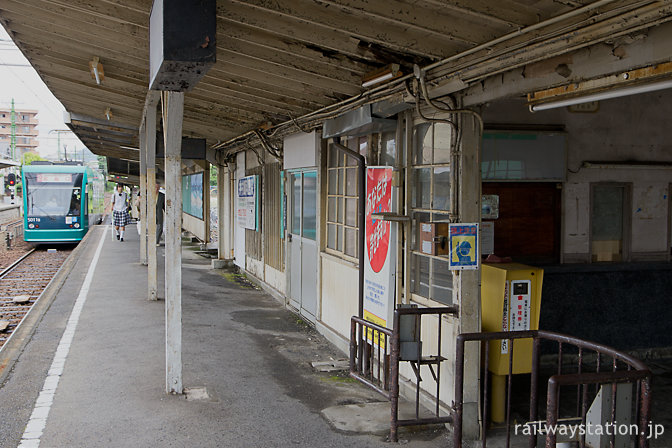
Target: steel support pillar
<point>173,108</point>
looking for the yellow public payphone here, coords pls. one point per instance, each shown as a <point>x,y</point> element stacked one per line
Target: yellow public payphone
<point>510,301</point>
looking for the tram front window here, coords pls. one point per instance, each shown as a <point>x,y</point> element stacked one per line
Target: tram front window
<point>53,194</point>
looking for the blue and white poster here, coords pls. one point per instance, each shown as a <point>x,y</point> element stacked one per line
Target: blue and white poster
<point>464,251</point>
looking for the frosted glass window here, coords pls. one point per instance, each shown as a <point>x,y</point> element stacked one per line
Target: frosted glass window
<point>538,156</point>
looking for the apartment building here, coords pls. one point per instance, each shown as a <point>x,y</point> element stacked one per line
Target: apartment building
<point>26,132</point>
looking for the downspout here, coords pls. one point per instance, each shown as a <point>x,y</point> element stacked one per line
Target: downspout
<point>361,219</point>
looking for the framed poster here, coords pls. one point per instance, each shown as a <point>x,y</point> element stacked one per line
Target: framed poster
<point>463,243</point>
<point>380,249</point>
<point>246,202</point>
<point>192,194</point>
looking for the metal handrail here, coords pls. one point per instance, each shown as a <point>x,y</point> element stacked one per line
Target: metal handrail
<point>386,380</point>
<point>360,330</point>
<point>637,372</point>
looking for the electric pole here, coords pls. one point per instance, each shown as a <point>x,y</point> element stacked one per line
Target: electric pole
<point>13,147</point>
<point>12,144</point>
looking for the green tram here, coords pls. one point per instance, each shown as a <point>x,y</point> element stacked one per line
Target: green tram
<point>60,202</point>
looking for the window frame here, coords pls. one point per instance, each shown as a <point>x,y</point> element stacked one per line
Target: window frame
<point>434,213</point>
<point>341,196</point>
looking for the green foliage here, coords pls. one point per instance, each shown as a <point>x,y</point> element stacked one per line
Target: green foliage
<point>213,175</point>
<point>30,157</point>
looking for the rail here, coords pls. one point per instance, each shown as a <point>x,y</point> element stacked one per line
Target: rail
<point>375,354</point>
<point>576,363</point>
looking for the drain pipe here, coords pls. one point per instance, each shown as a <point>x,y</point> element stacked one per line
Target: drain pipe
<point>361,219</point>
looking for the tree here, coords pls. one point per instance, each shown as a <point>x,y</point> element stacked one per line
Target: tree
<point>213,175</point>
<point>30,157</point>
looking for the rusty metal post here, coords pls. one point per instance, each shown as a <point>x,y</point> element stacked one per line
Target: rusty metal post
<point>534,386</point>
<point>459,378</point>
<point>486,366</point>
<point>394,379</point>
<point>645,413</point>
<point>551,410</point>
<point>353,345</point>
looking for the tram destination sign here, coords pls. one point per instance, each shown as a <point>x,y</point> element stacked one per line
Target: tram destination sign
<point>60,178</point>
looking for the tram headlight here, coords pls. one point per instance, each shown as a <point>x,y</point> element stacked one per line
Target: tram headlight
<point>31,226</point>
<point>76,225</point>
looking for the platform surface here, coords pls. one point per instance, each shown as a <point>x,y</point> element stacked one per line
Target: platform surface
<point>246,359</point>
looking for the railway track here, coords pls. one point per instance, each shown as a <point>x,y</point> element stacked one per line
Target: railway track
<point>21,285</point>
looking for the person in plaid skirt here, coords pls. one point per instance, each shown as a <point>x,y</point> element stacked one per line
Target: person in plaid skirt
<point>120,217</point>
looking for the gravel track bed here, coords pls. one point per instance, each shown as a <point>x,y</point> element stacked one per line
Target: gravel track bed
<point>28,278</point>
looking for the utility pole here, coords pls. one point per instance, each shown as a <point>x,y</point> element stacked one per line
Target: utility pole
<point>12,144</point>
<point>58,137</point>
<point>13,147</point>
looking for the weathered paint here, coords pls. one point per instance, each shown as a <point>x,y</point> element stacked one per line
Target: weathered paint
<point>143,197</point>
<point>605,146</point>
<point>339,293</point>
<point>150,130</point>
<point>173,107</point>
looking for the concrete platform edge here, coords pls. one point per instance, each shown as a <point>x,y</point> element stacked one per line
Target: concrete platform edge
<point>16,343</point>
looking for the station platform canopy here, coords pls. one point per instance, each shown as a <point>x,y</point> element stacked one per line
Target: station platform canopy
<point>286,67</point>
<point>6,163</point>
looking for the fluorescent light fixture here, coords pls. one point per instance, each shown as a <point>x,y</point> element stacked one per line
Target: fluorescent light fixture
<point>129,147</point>
<point>97,72</point>
<point>383,74</point>
<point>607,94</point>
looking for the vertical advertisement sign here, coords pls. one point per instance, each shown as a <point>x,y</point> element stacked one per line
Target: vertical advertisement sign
<point>246,207</point>
<point>380,250</point>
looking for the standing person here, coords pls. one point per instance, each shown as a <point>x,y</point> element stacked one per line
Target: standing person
<point>160,208</point>
<point>120,218</point>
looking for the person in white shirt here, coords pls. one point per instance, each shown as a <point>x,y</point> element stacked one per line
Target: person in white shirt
<point>120,217</point>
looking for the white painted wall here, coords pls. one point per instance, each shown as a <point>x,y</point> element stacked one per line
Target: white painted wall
<point>301,150</point>
<point>429,338</point>
<point>255,267</point>
<point>275,279</point>
<point>630,130</point>
<point>340,285</point>
<point>195,226</point>
<point>649,214</point>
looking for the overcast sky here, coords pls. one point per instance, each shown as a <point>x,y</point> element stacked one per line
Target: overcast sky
<point>21,82</point>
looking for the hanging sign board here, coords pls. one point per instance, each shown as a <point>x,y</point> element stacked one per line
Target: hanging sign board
<point>463,243</point>
<point>246,198</point>
<point>380,249</point>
